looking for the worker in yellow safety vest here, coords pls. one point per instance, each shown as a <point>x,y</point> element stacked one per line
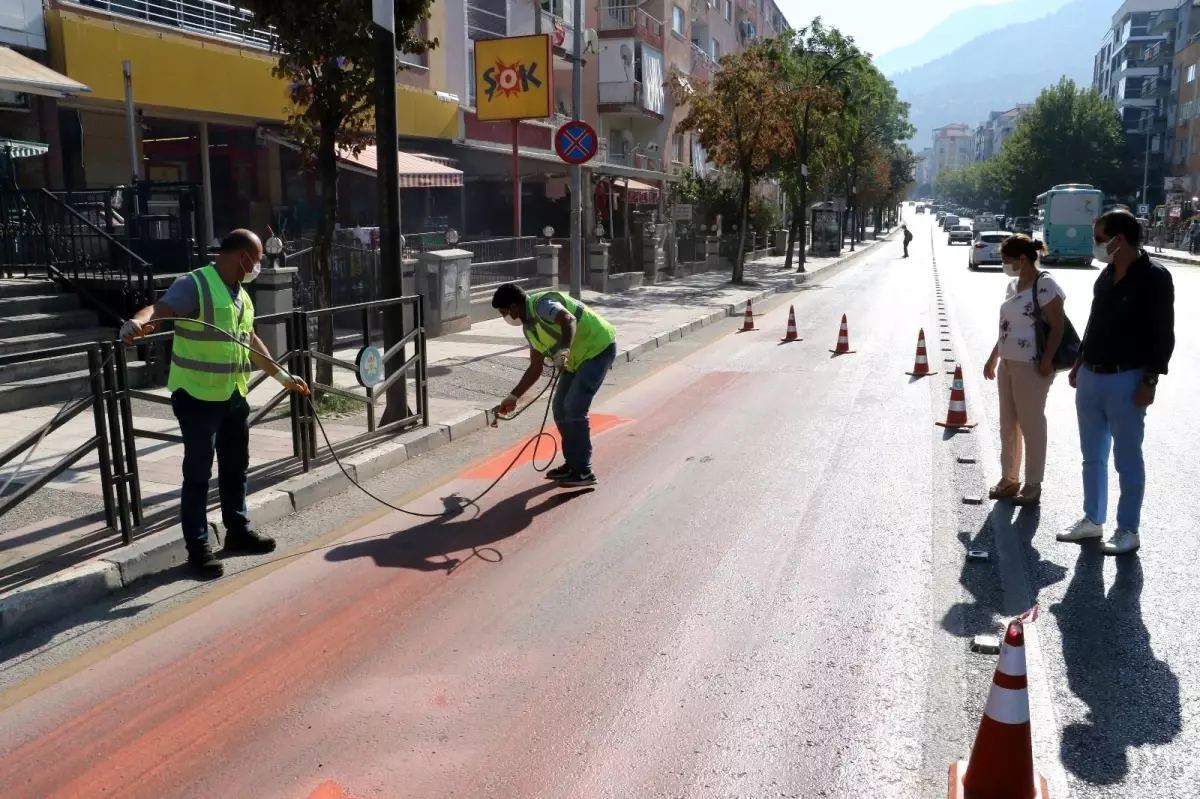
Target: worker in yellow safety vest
<point>210,369</point>
<point>583,346</point>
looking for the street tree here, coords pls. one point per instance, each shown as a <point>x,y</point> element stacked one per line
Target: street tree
<point>325,54</point>
<point>813,65</point>
<point>740,119</point>
<point>1070,135</point>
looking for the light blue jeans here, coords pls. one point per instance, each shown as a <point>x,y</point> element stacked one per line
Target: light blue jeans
<point>572,401</point>
<point>1109,419</point>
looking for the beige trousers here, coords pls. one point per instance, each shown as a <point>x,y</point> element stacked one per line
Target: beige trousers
<point>1022,419</point>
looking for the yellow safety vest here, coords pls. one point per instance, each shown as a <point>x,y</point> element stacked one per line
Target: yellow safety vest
<point>593,333</point>
<point>206,363</point>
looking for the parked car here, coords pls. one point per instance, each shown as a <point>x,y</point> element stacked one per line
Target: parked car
<point>986,249</point>
<point>1023,224</point>
<point>949,221</point>
<point>959,233</point>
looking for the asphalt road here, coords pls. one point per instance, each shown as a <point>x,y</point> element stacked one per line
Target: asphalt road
<point>1118,635</point>
<point>766,596</point>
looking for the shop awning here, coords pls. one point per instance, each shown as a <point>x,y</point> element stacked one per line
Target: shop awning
<point>415,172</point>
<point>26,76</point>
<point>22,149</point>
<point>636,191</point>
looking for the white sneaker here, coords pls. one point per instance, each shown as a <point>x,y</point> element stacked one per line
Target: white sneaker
<point>1084,528</point>
<point>1121,543</point>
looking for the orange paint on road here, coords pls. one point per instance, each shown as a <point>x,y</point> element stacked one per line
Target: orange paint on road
<point>329,790</point>
<point>492,468</point>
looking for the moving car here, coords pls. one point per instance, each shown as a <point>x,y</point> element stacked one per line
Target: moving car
<point>986,249</point>
<point>959,233</point>
<point>920,209</point>
<point>949,221</point>
<point>1022,224</point>
<point>939,217</point>
<point>983,222</point>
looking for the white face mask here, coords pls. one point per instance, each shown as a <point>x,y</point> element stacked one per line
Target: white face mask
<point>1100,253</point>
<point>512,320</point>
<point>1012,270</point>
<point>249,278</point>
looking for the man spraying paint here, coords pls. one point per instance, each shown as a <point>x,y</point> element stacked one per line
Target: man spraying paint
<point>582,346</point>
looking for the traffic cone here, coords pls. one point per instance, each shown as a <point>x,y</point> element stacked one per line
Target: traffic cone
<point>921,364</point>
<point>748,324</point>
<point>1001,764</point>
<point>843,345</point>
<point>956,416</point>
<point>791,335</point>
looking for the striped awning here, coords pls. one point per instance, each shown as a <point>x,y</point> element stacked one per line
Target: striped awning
<point>22,149</point>
<point>415,172</point>
<point>26,76</point>
<point>637,192</point>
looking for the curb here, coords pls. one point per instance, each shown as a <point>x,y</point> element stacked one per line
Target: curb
<point>61,593</point>
<point>1175,259</point>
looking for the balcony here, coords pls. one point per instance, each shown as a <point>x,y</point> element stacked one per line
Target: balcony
<point>201,17</point>
<point>703,65</point>
<point>634,161</point>
<point>629,20</point>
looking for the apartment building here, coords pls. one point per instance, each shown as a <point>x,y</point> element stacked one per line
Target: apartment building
<point>990,135</point>
<point>953,147</point>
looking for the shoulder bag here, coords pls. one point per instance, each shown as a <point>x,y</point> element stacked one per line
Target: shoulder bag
<point>1068,350</point>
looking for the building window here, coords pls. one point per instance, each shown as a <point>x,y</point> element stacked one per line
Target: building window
<point>716,50</point>
<point>729,10</point>
<point>677,148</point>
<point>678,22</point>
<point>1191,74</point>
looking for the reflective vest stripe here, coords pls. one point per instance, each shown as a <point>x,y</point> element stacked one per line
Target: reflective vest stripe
<point>210,368</point>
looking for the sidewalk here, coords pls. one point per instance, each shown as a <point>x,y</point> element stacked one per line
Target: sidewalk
<point>1177,256</point>
<point>468,374</point>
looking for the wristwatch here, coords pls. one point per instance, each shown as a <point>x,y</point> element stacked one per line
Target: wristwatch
<point>1150,380</point>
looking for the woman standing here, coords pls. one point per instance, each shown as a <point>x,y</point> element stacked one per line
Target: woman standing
<point>1024,375</point>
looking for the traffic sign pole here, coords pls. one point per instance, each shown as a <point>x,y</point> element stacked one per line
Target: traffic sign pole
<point>577,169</point>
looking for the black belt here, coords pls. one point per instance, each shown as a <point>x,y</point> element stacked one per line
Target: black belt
<point>1105,369</point>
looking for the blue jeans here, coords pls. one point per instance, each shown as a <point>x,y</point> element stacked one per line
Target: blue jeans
<point>573,399</point>
<point>1109,419</point>
<point>222,428</point>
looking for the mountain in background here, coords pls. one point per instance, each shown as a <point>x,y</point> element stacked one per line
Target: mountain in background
<point>961,27</point>
<point>996,71</point>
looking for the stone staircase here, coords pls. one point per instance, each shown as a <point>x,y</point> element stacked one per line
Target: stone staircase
<point>35,315</point>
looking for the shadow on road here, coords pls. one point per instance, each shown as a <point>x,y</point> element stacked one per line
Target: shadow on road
<point>421,547</point>
<point>1132,697</point>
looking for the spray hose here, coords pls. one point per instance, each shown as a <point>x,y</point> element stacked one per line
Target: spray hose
<point>450,511</point>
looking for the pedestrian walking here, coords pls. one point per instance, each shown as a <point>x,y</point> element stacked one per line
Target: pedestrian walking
<point>1160,237</point>
<point>1194,238</point>
<point>1126,347</point>
<point>208,383</point>
<point>583,347</point>
<point>1023,374</point>
<point>908,237</point>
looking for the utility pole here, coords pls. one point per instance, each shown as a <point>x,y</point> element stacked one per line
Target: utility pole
<point>1146,160</point>
<point>387,181</point>
<point>577,170</point>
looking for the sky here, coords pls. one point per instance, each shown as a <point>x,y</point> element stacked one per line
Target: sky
<point>876,25</point>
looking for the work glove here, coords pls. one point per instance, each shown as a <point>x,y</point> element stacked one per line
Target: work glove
<point>291,382</point>
<point>560,359</point>
<point>507,405</point>
<point>134,329</point>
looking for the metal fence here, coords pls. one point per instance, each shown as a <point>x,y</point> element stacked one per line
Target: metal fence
<point>501,260</point>
<point>205,17</point>
<point>110,396</point>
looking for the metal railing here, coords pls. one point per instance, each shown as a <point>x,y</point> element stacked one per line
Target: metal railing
<point>110,396</point>
<point>629,17</point>
<point>204,17</point>
<point>496,261</point>
<point>703,64</point>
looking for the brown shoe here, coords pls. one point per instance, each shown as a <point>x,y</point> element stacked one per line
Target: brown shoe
<point>1028,495</point>
<point>1005,489</point>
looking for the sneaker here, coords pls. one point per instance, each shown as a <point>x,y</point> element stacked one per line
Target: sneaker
<point>559,473</point>
<point>1122,542</point>
<point>1084,528</point>
<point>578,479</point>
<point>204,563</point>
<point>249,541</point>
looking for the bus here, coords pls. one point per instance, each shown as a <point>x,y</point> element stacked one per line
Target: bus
<point>1064,217</point>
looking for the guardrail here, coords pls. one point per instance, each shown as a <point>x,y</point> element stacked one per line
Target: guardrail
<point>205,17</point>
<point>117,431</point>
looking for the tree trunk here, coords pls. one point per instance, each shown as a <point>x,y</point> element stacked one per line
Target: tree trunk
<point>323,247</point>
<point>803,207</point>
<point>739,263</point>
<point>793,231</point>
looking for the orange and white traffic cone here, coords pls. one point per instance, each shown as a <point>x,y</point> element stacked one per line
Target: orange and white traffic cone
<point>843,345</point>
<point>921,364</point>
<point>748,323</point>
<point>956,415</point>
<point>1001,764</point>
<point>791,334</point>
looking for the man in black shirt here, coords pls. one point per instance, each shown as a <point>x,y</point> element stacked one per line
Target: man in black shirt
<point>908,237</point>
<point>1127,345</point>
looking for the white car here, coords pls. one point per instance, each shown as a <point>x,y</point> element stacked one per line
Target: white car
<point>986,248</point>
<point>958,233</point>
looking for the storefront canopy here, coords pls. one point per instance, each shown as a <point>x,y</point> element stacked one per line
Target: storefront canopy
<point>415,172</point>
<point>635,191</point>
<point>22,149</point>
<point>26,76</point>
